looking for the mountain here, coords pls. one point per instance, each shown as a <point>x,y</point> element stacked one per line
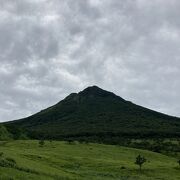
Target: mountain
<point>97,115</point>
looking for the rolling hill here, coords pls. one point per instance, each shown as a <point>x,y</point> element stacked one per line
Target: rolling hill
<point>96,115</point>
<point>63,161</point>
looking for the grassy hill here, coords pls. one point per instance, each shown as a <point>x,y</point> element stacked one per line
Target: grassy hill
<point>60,160</point>
<point>97,115</point>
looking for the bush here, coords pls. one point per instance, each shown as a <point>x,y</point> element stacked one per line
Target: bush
<point>8,162</point>
<point>11,160</point>
<point>41,143</point>
<point>122,167</point>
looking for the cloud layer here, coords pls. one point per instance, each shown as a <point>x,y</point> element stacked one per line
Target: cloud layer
<point>49,49</point>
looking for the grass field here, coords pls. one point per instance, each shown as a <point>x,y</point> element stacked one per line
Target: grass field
<point>60,160</point>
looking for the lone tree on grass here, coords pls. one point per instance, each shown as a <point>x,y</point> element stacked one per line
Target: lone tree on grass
<point>140,160</point>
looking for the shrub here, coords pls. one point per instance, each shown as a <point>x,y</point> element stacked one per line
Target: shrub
<point>41,143</point>
<point>8,162</point>
<point>11,160</point>
<point>122,167</point>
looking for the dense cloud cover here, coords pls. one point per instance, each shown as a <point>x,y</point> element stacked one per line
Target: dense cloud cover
<point>49,49</point>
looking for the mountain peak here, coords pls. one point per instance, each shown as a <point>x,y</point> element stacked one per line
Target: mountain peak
<point>92,89</point>
<point>92,92</point>
<point>96,91</point>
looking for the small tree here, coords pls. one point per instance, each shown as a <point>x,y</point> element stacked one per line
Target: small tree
<point>41,143</point>
<point>140,160</point>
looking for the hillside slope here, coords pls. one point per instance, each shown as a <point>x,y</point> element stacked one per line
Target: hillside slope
<point>96,113</point>
<point>60,160</point>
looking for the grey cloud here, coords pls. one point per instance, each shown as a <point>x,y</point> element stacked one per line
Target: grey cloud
<point>50,49</point>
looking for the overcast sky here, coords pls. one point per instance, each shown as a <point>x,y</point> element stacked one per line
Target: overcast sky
<point>49,49</point>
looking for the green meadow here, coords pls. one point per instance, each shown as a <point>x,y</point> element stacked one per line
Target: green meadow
<point>26,159</point>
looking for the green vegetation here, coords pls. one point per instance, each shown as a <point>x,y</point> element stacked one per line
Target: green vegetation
<point>96,115</point>
<point>4,134</point>
<point>16,132</point>
<point>170,147</point>
<point>24,159</point>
